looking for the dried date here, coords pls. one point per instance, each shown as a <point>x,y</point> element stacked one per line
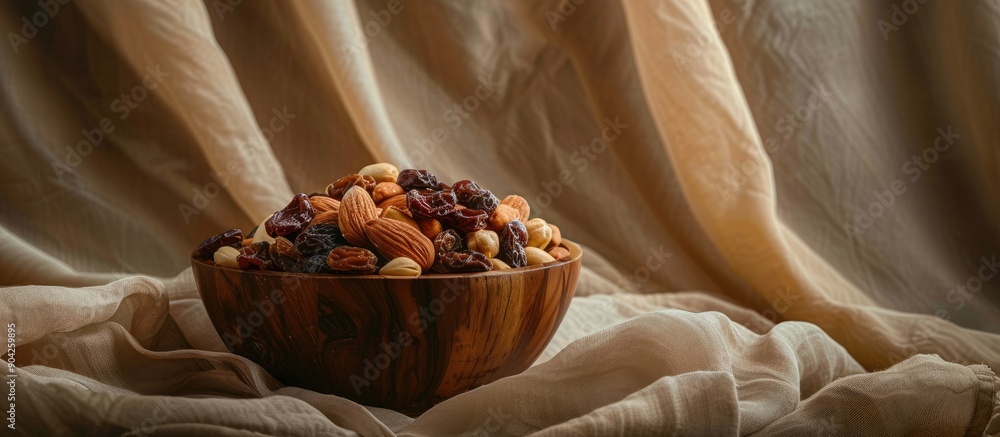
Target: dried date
<point>466,220</point>
<point>312,264</point>
<point>337,189</point>
<point>473,196</point>
<point>465,261</point>
<point>513,237</point>
<point>448,241</point>
<point>411,179</point>
<point>352,260</point>
<point>430,204</point>
<point>293,218</point>
<point>232,238</point>
<point>319,239</point>
<point>255,256</point>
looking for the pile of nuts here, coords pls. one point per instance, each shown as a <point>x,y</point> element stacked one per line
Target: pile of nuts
<point>398,223</point>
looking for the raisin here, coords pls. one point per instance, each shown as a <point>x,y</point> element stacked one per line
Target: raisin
<point>473,196</point>
<point>352,260</point>
<point>319,239</point>
<point>448,241</point>
<point>516,230</point>
<point>255,256</point>
<point>465,261</point>
<point>513,237</point>
<point>312,264</point>
<point>293,218</point>
<point>411,179</point>
<point>466,220</point>
<point>337,189</point>
<point>430,204</point>
<point>232,238</point>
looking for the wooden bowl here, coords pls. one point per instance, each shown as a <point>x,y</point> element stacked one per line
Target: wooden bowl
<point>395,342</point>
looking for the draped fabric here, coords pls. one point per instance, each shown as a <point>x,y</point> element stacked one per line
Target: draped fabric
<point>788,207</point>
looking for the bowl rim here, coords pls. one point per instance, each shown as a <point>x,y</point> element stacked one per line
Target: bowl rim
<point>575,255</point>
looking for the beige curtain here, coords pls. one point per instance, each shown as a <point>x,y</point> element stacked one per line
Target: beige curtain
<point>788,206</point>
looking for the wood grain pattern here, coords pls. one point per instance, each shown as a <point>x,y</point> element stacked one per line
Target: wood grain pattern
<point>400,343</point>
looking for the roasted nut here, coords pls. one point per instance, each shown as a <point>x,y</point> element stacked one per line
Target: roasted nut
<point>537,256</point>
<point>326,217</point>
<point>381,172</point>
<point>247,242</point>
<point>400,267</point>
<point>385,190</point>
<point>323,204</point>
<point>518,203</point>
<point>499,265</point>
<point>394,213</point>
<point>395,239</point>
<point>430,227</point>
<point>261,234</point>
<point>539,233</point>
<point>226,256</point>
<point>356,209</point>
<point>556,236</point>
<point>501,216</point>
<point>559,252</point>
<point>484,241</point>
<point>399,201</point>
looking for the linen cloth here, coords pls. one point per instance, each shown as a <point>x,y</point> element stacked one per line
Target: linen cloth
<point>788,206</point>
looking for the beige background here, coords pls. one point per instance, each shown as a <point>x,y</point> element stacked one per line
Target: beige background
<point>750,205</point>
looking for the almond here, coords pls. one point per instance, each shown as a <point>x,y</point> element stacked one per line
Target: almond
<point>323,204</point>
<point>556,236</point>
<point>399,201</point>
<point>326,217</point>
<point>356,209</point>
<point>395,239</point>
<point>391,212</point>
<point>559,252</point>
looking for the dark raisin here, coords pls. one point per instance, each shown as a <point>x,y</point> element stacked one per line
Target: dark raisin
<point>352,260</point>
<point>319,239</point>
<point>255,256</point>
<point>466,220</point>
<point>513,237</point>
<point>312,264</point>
<point>448,241</point>
<point>337,189</point>
<point>465,261</point>
<point>473,196</point>
<point>430,204</point>
<point>232,238</point>
<point>293,218</point>
<point>411,179</point>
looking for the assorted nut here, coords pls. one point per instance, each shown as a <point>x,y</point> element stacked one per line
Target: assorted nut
<point>396,223</point>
